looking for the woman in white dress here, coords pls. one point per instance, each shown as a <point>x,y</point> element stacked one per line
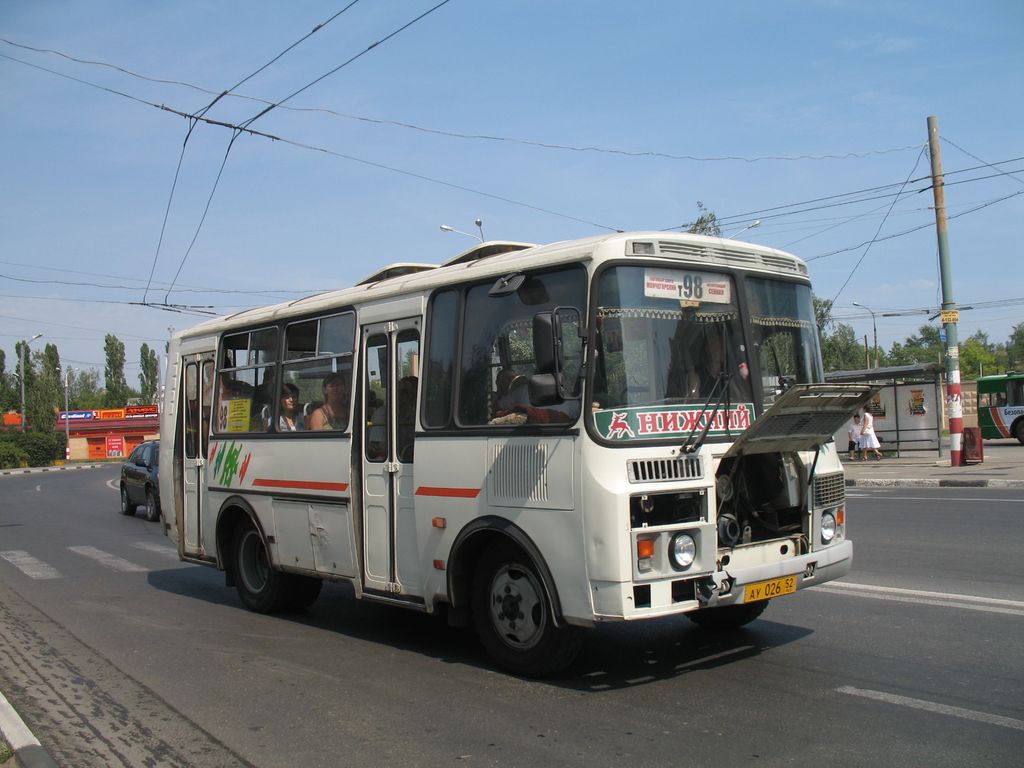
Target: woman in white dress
<point>868,438</point>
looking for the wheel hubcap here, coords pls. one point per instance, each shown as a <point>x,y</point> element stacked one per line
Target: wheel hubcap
<point>517,607</point>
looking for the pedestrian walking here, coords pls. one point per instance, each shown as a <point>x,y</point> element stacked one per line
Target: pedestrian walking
<point>868,438</point>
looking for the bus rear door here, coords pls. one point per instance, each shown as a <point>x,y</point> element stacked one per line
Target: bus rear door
<point>390,376</point>
<point>197,390</point>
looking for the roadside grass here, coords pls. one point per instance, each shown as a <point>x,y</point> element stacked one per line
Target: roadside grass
<point>6,753</point>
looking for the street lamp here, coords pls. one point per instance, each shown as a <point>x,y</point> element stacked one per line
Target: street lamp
<point>23,348</point>
<point>757,223</point>
<point>67,421</point>
<point>479,225</point>
<point>874,328</point>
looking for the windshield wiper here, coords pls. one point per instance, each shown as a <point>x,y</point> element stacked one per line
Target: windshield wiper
<point>721,388</point>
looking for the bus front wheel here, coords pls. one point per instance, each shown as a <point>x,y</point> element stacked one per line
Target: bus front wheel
<point>728,616</point>
<point>513,617</point>
<point>261,588</point>
<point>1018,431</point>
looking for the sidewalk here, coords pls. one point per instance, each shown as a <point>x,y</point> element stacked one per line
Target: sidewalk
<point>1003,467</point>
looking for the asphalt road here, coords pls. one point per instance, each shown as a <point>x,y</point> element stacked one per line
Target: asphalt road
<point>116,654</point>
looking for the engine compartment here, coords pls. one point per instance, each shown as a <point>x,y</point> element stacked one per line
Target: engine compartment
<point>761,496</point>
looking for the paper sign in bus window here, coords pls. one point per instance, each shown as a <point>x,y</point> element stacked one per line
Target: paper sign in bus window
<point>689,288</point>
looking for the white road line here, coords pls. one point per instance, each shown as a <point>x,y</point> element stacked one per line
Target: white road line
<point>30,566</point>
<point>931,706</point>
<point>110,561</point>
<point>160,549</point>
<point>922,597</point>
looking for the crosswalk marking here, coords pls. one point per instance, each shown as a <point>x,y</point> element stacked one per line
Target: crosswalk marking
<point>30,566</point>
<point>110,561</point>
<point>159,549</point>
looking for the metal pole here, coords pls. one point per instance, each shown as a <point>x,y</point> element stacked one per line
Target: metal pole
<point>950,314</point>
<point>22,377</point>
<point>67,421</point>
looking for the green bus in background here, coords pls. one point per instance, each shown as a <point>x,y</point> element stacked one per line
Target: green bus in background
<point>1001,406</point>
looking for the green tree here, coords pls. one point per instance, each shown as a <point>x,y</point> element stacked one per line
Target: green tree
<point>117,388</point>
<point>1015,349</point>
<point>706,223</point>
<point>25,378</point>
<point>86,394</point>
<point>9,397</point>
<point>149,379</point>
<point>46,396</point>
<point>840,349</point>
<point>926,347</point>
<point>977,355</point>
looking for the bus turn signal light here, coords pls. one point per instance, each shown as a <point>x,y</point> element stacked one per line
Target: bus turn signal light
<point>438,522</point>
<point>644,549</point>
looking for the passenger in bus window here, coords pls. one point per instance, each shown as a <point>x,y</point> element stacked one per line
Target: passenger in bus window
<point>290,419</point>
<point>333,414</point>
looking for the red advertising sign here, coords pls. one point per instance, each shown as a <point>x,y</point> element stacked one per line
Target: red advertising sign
<point>115,446</point>
<point>140,411</point>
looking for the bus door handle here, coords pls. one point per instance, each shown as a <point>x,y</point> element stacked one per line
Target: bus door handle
<point>391,467</point>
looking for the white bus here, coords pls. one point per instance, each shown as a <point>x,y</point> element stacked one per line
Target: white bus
<point>531,439</point>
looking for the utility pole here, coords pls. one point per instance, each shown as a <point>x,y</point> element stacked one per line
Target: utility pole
<point>950,314</point>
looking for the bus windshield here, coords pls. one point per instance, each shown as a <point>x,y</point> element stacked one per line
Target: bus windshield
<point>784,335</point>
<point>670,345</point>
<point>668,342</point>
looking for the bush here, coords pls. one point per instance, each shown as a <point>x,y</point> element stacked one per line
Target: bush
<point>39,449</point>
<point>11,456</point>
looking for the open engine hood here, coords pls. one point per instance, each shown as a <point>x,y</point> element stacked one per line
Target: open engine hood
<point>804,418</point>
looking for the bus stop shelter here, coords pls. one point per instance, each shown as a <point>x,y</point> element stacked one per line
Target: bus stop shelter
<point>907,407</point>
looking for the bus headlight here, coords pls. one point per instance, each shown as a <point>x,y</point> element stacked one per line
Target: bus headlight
<point>682,550</point>
<point>828,527</point>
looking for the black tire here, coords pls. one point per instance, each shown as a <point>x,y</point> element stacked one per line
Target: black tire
<point>261,588</point>
<point>513,617</point>
<point>127,508</point>
<point>728,616</point>
<point>152,506</point>
<point>303,591</point>
<point>1018,431</point>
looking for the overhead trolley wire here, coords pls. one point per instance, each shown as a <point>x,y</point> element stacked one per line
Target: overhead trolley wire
<point>188,135</point>
<point>853,154</point>
<point>239,130</point>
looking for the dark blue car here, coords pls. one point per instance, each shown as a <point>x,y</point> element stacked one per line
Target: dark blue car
<point>140,481</point>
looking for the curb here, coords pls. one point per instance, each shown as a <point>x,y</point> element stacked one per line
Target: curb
<point>933,483</point>
<point>28,752</point>
<point>35,470</point>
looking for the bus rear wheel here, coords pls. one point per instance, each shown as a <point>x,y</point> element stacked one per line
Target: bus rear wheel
<point>1018,431</point>
<point>513,617</point>
<point>261,588</point>
<point>728,616</point>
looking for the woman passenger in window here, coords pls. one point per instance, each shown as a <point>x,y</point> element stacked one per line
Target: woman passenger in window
<point>333,414</point>
<point>290,418</point>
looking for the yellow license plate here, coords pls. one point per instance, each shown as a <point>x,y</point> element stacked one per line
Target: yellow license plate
<point>764,590</point>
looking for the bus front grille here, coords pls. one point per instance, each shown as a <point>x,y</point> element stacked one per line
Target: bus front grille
<point>829,490</point>
<point>664,470</point>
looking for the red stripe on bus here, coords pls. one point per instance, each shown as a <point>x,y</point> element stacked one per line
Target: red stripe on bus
<point>452,493</point>
<point>307,485</point>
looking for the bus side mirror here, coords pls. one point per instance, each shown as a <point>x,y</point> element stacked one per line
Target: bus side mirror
<point>547,385</point>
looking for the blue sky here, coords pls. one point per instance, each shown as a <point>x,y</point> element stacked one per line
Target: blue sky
<point>811,100</point>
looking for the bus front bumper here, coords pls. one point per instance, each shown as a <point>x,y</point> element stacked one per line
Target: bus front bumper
<point>629,601</point>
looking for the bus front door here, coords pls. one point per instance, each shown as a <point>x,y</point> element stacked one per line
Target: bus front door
<point>197,397</point>
<point>390,378</point>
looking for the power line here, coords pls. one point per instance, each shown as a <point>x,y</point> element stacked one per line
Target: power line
<point>562,146</point>
<point>244,126</point>
<point>877,231</point>
<point>188,135</point>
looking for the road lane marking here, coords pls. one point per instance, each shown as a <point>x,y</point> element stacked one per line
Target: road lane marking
<point>160,549</point>
<point>931,706</point>
<point>923,597</point>
<point>110,561</point>
<point>30,566</point>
